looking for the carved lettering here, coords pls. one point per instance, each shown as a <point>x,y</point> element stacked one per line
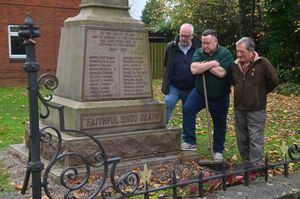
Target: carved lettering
<point>99,121</point>
<point>116,65</point>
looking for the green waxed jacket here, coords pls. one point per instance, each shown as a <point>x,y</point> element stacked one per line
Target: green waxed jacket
<point>216,87</point>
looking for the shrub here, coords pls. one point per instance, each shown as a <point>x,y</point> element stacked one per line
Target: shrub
<point>288,89</point>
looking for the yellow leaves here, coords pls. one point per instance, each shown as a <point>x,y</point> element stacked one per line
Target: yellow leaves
<point>93,178</point>
<point>185,174</point>
<point>201,133</point>
<point>182,192</point>
<point>152,194</point>
<point>284,150</point>
<point>234,157</point>
<point>297,23</point>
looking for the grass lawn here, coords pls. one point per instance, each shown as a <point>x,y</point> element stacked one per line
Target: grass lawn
<point>14,114</point>
<point>283,124</point>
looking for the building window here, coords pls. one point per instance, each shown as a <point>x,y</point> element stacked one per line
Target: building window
<point>15,43</point>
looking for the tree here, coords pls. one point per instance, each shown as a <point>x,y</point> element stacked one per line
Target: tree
<point>153,15</point>
<point>203,14</point>
<point>282,36</point>
<point>250,20</point>
<point>167,16</point>
<point>273,24</point>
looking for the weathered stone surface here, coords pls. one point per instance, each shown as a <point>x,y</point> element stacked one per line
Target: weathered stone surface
<point>105,91</point>
<point>115,65</point>
<point>113,13</point>
<point>103,64</point>
<point>107,117</point>
<point>128,146</point>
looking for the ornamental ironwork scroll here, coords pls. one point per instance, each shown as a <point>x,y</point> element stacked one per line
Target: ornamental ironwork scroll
<point>69,177</point>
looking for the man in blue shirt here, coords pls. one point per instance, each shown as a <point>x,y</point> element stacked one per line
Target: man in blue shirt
<point>178,80</point>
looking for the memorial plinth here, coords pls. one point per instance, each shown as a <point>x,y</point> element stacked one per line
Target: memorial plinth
<point>105,87</point>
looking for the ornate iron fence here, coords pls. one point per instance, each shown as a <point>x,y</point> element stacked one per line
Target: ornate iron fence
<point>124,187</point>
<point>29,31</point>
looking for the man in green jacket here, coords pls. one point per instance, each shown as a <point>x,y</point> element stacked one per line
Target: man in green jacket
<point>253,78</point>
<point>213,61</point>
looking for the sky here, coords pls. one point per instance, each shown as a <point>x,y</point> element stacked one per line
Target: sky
<point>136,7</point>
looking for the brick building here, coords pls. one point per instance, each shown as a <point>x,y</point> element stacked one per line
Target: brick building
<point>49,15</point>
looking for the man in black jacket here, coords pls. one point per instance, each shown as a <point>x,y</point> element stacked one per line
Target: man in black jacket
<point>178,80</point>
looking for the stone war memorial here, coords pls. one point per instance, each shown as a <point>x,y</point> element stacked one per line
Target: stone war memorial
<point>105,87</point>
<point>101,122</point>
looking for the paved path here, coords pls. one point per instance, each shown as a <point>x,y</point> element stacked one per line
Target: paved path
<point>276,187</point>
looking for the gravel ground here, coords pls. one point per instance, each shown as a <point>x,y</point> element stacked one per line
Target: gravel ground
<point>16,167</point>
<point>162,175</point>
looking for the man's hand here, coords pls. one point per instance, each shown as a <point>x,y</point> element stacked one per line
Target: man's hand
<point>218,71</point>
<point>201,67</point>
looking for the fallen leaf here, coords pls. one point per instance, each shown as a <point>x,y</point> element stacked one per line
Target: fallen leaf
<point>78,194</point>
<point>234,157</point>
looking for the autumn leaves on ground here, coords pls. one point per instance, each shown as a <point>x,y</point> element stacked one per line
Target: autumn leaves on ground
<point>282,128</point>
<point>283,124</point>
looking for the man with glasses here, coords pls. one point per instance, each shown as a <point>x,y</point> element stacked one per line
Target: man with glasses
<point>178,80</point>
<point>212,64</point>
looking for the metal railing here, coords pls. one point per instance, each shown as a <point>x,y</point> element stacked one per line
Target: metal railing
<point>124,187</point>
<point>222,175</point>
<point>37,135</point>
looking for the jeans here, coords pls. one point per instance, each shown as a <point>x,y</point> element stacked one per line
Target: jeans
<point>218,110</point>
<point>172,98</point>
<point>250,127</point>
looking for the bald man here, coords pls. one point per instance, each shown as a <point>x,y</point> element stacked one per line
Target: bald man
<point>178,79</point>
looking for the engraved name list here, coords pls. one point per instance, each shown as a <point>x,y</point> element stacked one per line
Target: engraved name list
<point>115,65</point>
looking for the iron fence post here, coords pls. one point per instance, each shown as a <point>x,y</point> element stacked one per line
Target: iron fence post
<point>29,31</point>
<point>174,181</point>
<point>246,178</point>
<point>267,167</point>
<point>146,195</point>
<point>224,178</point>
<point>286,167</point>
<point>200,185</point>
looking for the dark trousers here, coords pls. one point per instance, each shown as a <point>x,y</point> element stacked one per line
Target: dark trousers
<point>218,110</point>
